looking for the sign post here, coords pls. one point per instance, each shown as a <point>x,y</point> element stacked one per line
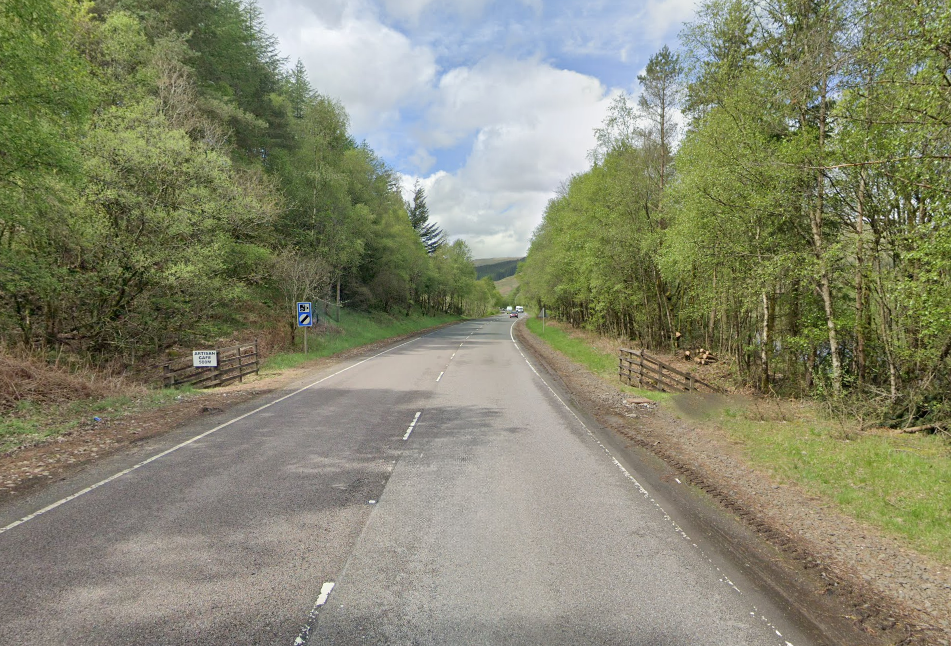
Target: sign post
<point>305,319</point>
<point>543,320</point>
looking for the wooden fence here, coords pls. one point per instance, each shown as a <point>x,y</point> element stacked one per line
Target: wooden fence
<point>236,362</point>
<point>636,367</point>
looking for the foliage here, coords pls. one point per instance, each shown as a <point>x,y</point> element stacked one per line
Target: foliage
<point>800,226</point>
<point>161,169</point>
<point>430,233</point>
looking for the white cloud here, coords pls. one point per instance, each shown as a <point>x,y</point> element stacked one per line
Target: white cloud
<point>534,127</point>
<point>411,10</point>
<point>422,160</point>
<point>531,124</point>
<point>663,15</point>
<point>373,69</point>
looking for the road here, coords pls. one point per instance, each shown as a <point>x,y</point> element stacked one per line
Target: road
<point>439,492</point>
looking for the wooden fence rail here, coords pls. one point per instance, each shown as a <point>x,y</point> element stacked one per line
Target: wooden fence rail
<point>648,372</point>
<point>235,362</point>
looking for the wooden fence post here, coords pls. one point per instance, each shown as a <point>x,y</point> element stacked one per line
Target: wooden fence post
<point>665,377</point>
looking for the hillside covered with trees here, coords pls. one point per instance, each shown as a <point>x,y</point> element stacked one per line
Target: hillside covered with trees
<point>798,219</point>
<point>498,270</point>
<point>163,169</point>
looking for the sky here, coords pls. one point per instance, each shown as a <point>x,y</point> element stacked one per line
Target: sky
<point>490,105</point>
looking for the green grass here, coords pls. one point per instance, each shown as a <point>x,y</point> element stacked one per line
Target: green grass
<point>603,364</point>
<point>356,329</point>
<point>898,483</point>
<point>30,423</point>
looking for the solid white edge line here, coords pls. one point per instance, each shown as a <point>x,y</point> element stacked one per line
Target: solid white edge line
<point>725,579</point>
<point>304,635</point>
<point>325,591</point>
<point>115,476</point>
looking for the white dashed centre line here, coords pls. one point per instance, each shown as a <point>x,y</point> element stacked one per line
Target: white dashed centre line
<point>412,426</point>
<point>161,455</point>
<point>440,375</point>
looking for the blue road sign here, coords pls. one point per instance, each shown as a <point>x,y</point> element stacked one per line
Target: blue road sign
<point>304,316</point>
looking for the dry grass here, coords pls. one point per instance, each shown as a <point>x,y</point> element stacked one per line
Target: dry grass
<point>28,379</point>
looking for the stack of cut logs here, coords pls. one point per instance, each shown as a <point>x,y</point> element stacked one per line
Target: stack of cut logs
<point>703,357</point>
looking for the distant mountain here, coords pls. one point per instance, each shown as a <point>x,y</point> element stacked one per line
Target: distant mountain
<point>478,262</point>
<point>496,268</point>
<point>506,285</point>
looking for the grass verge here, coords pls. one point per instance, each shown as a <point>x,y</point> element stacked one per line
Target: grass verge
<point>898,483</point>
<point>353,330</point>
<point>31,423</point>
<point>603,364</point>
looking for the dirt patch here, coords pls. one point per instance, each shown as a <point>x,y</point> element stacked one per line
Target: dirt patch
<point>891,593</point>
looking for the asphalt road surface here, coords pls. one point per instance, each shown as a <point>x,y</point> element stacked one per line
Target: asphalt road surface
<point>437,493</point>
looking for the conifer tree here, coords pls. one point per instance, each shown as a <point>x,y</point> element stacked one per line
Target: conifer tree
<point>431,235</point>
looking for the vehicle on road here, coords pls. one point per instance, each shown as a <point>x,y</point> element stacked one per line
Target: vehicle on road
<point>513,315</point>
<point>519,309</point>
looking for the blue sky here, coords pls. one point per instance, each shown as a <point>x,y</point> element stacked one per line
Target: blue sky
<point>490,104</point>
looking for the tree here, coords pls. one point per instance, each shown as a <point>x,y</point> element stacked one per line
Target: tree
<point>431,235</point>
<point>46,94</point>
<point>160,171</point>
<point>298,278</point>
<point>299,90</point>
<point>660,96</point>
<point>619,131</point>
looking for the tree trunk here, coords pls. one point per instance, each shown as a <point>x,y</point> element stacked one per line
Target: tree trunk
<point>818,242</point>
<point>764,348</point>
<point>860,287</point>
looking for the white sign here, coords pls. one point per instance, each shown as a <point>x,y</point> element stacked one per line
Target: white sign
<point>205,358</point>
